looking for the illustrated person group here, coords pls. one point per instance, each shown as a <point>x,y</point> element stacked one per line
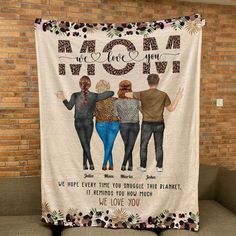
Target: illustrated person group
<point>120,114</point>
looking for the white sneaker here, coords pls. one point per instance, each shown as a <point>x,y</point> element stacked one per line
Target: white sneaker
<point>142,169</point>
<point>159,169</point>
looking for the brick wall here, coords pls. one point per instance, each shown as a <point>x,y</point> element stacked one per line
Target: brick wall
<point>19,103</point>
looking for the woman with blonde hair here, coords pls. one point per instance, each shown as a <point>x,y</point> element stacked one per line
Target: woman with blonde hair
<point>84,103</point>
<point>127,111</point>
<point>107,125</point>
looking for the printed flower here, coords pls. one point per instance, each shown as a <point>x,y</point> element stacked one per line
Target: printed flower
<point>38,21</point>
<point>159,25</point>
<point>193,221</point>
<point>86,220</point>
<point>73,211</point>
<point>144,29</point>
<point>45,209</point>
<point>64,26</point>
<point>95,213</point>
<point>72,215</point>
<point>120,215</point>
<point>142,26</point>
<point>195,217</point>
<point>163,216</point>
<point>193,26</point>
<point>133,220</point>
<point>120,219</point>
<point>113,32</point>
<point>92,28</point>
<point>57,216</point>
<point>179,23</point>
<point>169,222</point>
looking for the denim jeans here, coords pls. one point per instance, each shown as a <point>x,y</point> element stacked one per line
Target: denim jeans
<point>157,129</point>
<point>84,128</point>
<point>129,133</point>
<point>107,131</point>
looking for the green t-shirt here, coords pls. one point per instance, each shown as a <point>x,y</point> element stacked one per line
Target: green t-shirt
<point>153,102</point>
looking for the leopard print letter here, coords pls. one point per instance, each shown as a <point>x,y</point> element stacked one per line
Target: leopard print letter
<point>176,66</point>
<point>173,41</point>
<point>63,46</point>
<point>148,44</point>
<point>161,66</point>
<point>108,48</point>
<point>89,46</point>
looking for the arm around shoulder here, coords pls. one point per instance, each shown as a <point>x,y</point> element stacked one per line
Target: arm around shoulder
<point>104,95</point>
<point>129,95</point>
<point>135,95</point>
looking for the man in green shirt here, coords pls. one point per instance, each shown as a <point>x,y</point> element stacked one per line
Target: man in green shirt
<point>153,102</point>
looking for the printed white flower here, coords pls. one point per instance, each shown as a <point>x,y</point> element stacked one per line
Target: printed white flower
<point>45,209</point>
<point>193,26</point>
<point>120,215</point>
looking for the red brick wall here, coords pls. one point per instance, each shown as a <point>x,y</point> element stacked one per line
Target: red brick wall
<point>19,103</point>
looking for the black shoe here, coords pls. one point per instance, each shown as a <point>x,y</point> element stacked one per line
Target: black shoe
<point>85,167</point>
<point>123,168</point>
<point>130,168</point>
<point>91,167</point>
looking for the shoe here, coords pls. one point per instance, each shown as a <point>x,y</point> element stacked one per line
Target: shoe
<point>142,169</point>
<point>159,169</point>
<point>104,168</point>
<point>85,167</point>
<point>91,167</point>
<point>130,168</point>
<point>123,168</point>
<point>110,167</point>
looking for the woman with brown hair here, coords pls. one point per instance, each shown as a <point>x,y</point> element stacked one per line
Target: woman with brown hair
<point>85,103</point>
<point>127,111</point>
<point>107,124</point>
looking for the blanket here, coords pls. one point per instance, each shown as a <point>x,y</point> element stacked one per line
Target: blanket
<point>119,118</point>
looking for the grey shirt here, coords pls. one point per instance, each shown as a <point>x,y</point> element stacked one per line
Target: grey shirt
<point>85,111</point>
<point>127,110</point>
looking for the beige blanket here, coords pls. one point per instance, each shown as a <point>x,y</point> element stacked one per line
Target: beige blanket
<point>119,148</point>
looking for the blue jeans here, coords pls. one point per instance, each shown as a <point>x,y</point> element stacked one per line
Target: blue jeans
<point>107,131</point>
<point>147,129</point>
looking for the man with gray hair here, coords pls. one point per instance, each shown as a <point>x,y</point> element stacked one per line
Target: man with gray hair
<point>153,102</point>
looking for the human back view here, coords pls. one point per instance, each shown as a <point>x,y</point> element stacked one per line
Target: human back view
<point>153,103</point>
<point>84,103</point>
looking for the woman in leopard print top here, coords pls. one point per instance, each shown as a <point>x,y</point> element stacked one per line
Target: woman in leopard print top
<point>107,125</point>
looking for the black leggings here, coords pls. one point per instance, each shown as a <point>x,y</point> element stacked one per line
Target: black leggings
<point>129,133</point>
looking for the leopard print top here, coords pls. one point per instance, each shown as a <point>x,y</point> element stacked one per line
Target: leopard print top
<point>104,111</point>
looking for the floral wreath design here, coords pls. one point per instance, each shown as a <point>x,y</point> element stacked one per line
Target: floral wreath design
<point>119,218</point>
<point>191,23</point>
